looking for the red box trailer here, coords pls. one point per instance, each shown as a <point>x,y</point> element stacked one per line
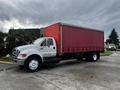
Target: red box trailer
<point>74,39</point>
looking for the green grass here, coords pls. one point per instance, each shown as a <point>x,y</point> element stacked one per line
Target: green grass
<point>106,53</point>
<point>5,59</point>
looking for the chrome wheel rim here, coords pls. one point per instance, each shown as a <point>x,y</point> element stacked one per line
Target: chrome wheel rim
<point>33,65</point>
<point>94,57</point>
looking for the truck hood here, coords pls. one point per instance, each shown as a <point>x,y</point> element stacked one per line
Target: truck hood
<point>24,47</point>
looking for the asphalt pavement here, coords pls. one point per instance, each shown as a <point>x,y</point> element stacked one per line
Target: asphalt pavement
<point>7,66</point>
<point>67,75</point>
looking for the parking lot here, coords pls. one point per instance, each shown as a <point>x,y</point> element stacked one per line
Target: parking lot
<point>67,75</point>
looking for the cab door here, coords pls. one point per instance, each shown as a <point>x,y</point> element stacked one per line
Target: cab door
<point>48,48</point>
<point>51,47</point>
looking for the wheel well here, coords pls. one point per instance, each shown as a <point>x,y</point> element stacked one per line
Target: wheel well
<point>35,55</point>
<point>87,55</point>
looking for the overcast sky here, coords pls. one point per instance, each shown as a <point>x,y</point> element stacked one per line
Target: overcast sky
<point>98,14</point>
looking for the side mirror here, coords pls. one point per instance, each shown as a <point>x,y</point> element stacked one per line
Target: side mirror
<point>41,44</point>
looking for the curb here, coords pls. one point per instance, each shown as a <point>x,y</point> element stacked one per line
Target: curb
<point>5,62</point>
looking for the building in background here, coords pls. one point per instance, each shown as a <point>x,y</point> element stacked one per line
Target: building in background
<point>18,37</point>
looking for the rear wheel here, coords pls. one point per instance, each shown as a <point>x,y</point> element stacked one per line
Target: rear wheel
<point>32,64</point>
<point>92,57</point>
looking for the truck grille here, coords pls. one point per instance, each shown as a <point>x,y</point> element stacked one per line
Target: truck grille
<point>15,53</point>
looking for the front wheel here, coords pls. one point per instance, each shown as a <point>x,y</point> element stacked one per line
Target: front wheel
<point>32,64</point>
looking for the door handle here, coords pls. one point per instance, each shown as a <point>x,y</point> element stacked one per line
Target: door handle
<point>53,47</point>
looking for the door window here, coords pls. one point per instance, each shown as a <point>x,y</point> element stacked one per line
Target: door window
<point>50,42</point>
<point>43,43</point>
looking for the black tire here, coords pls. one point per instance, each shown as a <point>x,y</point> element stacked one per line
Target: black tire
<point>92,57</point>
<point>32,64</point>
<point>98,56</point>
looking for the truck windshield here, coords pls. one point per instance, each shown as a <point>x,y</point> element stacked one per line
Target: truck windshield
<point>38,41</point>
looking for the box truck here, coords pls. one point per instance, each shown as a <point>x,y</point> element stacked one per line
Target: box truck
<point>60,42</point>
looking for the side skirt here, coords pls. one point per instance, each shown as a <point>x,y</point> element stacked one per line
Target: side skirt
<point>51,60</point>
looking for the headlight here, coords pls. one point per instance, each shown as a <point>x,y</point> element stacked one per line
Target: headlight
<point>23,55</point>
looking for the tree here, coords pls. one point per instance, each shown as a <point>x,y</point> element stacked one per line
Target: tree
<point>113,38</point>
<point>2,48</point>
<point>18,37</point>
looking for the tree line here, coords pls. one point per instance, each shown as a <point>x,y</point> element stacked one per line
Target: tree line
<point>2,48</point>
<point>17,37</point>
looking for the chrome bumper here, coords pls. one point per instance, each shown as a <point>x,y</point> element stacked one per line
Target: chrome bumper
<point>18,61</point>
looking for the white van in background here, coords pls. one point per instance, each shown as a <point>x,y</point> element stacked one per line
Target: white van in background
<point>111,47</point>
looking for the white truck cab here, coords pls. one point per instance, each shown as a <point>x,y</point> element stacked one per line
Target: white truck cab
<point>31,56</point>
